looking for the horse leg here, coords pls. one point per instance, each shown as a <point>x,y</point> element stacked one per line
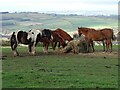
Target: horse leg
<point>58,45</point>
<point>14,43</point>
<point>29,48</point>
<point>111,46</point>
<point>14,48</point>
<point>107,45</point>
<point>54,45</point>
<point>92,46</point>
<point>47,45</point>
<point>15,52</point>
<point>33,49</point>
<point>88,44</point>
<point>45,48</point>
<point>103,46</point>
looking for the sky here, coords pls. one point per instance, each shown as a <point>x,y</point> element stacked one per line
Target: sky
<point>57,5</point>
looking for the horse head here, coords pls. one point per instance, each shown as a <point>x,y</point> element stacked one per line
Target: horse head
<point>30,36</point>
<point>47,33</point>
<point>83,30</point>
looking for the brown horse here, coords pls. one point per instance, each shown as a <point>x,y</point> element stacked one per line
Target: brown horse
<point>57,38</point>
<point>64,35</point>
<point>91,35</point>
<point>108,33</point>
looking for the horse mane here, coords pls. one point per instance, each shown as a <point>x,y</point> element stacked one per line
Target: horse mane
<point>86,29</point>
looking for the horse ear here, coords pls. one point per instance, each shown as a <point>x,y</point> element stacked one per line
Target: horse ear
<point>30,30</point>
<point>78,27</point>
<point>13,33</point>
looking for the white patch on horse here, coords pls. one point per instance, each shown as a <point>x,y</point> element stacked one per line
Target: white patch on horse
<point>33,34</point>
<point>51,37</point>
<point>29,35</point>
<point>33,50</point>
<point>16,33</point>
<point>66,41</point>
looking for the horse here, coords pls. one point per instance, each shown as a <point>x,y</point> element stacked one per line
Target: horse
<point>57,38</point>
<point>91,35</point>
<point>23,38</point>
<point>108,33</point>
<point>64,35</point>
<point>45,36</point>
<point>53,38</point>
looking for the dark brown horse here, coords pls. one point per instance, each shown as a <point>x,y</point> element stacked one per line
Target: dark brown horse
<point>64,35</point>
<point>55,38</point>
<point>91,35</point>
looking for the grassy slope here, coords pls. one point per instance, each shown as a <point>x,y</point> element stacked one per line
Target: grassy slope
<point>69,23</point>
<point>60,70</point>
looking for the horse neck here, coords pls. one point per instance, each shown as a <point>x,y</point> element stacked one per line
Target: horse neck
<point>85,32</point>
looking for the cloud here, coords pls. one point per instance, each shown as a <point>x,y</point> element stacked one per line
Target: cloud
<point>57,5</point>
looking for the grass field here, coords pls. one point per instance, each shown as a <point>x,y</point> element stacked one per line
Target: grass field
<point>27,21</point>
<point>55,70</point>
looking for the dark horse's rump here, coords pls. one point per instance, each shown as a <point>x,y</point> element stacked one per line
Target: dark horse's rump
<point>22,37</point>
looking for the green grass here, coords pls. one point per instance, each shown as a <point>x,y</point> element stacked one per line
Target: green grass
<point>54,70</point>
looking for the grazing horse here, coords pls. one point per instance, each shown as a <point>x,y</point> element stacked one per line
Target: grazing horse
<point>91,35</point>
<point>57,38</point>
<point>44,36</point>
<point>64,35</point>
<point>108,33</point>
<point>23,38</point>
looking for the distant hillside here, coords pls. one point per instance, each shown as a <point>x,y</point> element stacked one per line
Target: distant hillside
<point>26,21</point>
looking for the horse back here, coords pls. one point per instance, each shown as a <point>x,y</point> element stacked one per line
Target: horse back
<point>95,35</point>
<point>63,34</point>
<point>107,32</point>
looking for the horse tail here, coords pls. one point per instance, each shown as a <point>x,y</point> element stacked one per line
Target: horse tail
<point>13,40</point>
<point>113,36</point>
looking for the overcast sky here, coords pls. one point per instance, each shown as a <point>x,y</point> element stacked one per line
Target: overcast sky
<point>57,5</point>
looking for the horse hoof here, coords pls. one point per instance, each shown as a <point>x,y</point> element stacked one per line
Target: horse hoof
<point>46,52</point>
<point>16,55</point>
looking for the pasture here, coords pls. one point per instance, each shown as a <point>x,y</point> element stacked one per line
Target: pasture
<point>56,70</point>
<point>69,23</point>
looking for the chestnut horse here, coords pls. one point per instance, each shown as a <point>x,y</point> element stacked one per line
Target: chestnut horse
<point>108,33</point>
<point>91,35</point>
<point>64,35</point>
<point>57,38</point>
